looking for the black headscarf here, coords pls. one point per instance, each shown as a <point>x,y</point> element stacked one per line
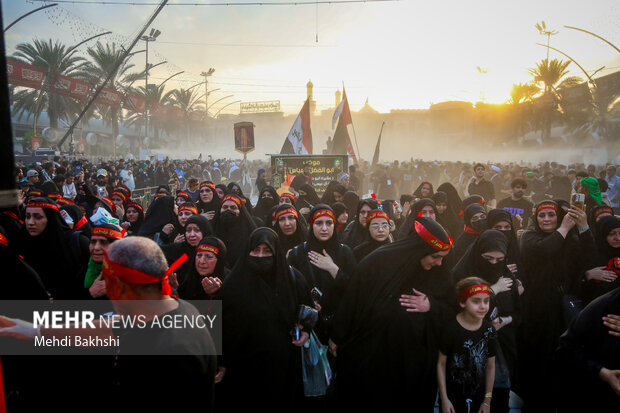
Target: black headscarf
<point>473,199</point>
<point>339,209</point>
<point>499,215</point>
<point>418,192</point>
<point>265,204</point>
<point>57,255</point>
<point>328,196</point>
<point>234,230</point>
<point>469,234</point>
<point>351,200</point>
<point>606,256</point>
<point>355,233</point>
<point>415,212</point>
<point>300,235</point>
<point>472,263</point>
<point>235,189</point>
<point>80,223</point>
<point>365,248</point>
<point>308,200</point>
<point>213,205</point>
<point>449,219</point>
<point>134,228</point>
<point>159,213</point>
<point>454,200</point>
<point>190,288</point>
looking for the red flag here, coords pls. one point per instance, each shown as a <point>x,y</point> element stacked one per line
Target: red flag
<point>134,103</point>
<point>109,97</point>
<point>21,74</point>
<point>342,141</point>
<point>72,88</point>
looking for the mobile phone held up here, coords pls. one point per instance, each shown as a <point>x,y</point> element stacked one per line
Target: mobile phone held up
<point>578,200</point>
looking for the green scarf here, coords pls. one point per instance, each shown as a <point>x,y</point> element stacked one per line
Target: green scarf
<point>593,189</point>
<point>92,272</point>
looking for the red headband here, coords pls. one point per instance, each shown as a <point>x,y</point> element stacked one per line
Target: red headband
<point>55,197</point>
<point>14,216</point>
<point>65,201</point>
<point>80,223</point>
<point>473,290</point>
<point>133,276</point>
<point>107,233</point>
<point>207,184</point>
<point>35,193</point>
<point>288,195</point>
<point>603,210</point>
<point>287,211</point>
<point>109,203</point>
<point>160,194</point>
<point>120,195</point>
<point>124,190</point>
<point>137,206</point>
<point>3,240</point>
<point>47,205</point>
<point>547,205</point>
<point>322,213</point>
<point>430,239</point>
<point>189,208</point>
<point>377,215</point>
<point>233,199</point>
<point>208,248</point>
<point>183,194</point>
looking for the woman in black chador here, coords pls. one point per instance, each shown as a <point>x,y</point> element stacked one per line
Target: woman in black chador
<point>207,271</point>
<point>603,272</point>
<point>262,355</point>
<point>378,227</point>
<point>475,218</point>
<point>290,227</point>
<point>325,263</point>
<point>487,258</point>
<point>555,257</point>
<point>233,226</point>
<point>385,330</point>
<point>355,233</point>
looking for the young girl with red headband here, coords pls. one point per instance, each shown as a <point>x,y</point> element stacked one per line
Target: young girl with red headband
<point>466,363</point>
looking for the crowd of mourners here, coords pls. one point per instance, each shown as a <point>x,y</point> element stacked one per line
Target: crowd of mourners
<point>444,283</point>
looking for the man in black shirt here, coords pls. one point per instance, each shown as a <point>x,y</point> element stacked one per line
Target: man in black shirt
<point>482,187</point>
<point>516,204</point>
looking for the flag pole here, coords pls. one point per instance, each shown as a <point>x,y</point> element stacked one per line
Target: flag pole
<point>353,126</point>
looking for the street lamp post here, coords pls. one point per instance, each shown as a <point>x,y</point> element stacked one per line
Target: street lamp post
<point>150,38</point>
<point>206,75</point>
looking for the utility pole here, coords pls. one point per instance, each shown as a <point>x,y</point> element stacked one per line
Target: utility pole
<point>206,75</point>
<point>150,38</point>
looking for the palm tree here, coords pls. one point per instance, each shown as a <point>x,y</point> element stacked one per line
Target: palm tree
<point>187,100</point>
<point>551,74</point>
<point>103,61</point>
<point>521,97</point>
<point>54,58</point>
<point>152,95</point>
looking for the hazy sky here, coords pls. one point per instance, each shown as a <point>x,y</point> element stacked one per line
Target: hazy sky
<point>404,54</point>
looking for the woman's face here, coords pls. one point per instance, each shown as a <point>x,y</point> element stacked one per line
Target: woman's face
<point>364,214</point>
<point>338,197</point>
<point>118,201</point>
<point>441,207</point>
<point>132,215</point>
<point>97,248</point>
<point>613,238</point>
<point>502,226</point>
<point>206,195</point>
<point>428,212</point>
<point>493,257</point>
<point>286,200</point>
<point>220,192</point>
<point>230,205</point>
<point>343,218</point>
<point>323,228</point>
<point>266,194</point>
<point>288,224</point>
<point>478,216</point>
<point>425,190</point>
<point>547,220</point>
<point>181,200</point>
<point>205,263</point>
<point>193,234</point>
<point>433,260</point>
<point>183,216</point>
<point>379,229</point>
<point>36,221</point>
<point>261,250</point>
